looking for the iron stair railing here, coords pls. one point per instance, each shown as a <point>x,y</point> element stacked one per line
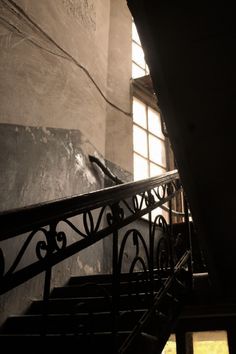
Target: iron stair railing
<point>116,180</point>
<point>93,217</point>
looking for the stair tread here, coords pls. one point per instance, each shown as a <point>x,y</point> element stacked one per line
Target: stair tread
<point>69,315</point>
<point>104,278</point>
<point>98,342</point>
<point>63,323</point>
<point>97,290</point>
<point>82,304</point>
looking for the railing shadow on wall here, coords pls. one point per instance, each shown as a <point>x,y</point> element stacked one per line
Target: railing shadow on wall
<point>110,213</point>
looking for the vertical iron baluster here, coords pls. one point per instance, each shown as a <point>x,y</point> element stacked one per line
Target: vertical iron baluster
<point>115,276</point>
<point>188,241</point>
<point>51,247</point>
<point>151,256</point>
<point>170,233</point>
<point>47,280</point>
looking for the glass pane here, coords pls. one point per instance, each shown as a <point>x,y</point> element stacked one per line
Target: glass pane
<point>170,347</point>
<point>135,35</point>
<point>137,71</point>
<point>140,167</point>
<point>138,55</point>
<point>139,113</point>
<point>154,123</point>
<point>140,141</point>
<point>214,342</point>
<point>156,170</point>
<point>157,151</point>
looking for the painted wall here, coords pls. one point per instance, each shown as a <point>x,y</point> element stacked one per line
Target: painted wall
<point>119,143</point>
<point>59,66</point>
<point>65,69</point>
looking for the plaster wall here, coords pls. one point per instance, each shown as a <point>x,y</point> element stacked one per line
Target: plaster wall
<point>64,94</point>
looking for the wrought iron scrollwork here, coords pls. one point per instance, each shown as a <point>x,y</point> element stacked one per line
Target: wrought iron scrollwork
<point>44,248</point>
<point>160,191</point>
<point>140,262</point>
<point>116,215</point>
<point>90,224</point>
<point>137,239</point>
<point>55,241</point>
<point>61,240</point>
<point>41,245</point>
<point>52,241</point>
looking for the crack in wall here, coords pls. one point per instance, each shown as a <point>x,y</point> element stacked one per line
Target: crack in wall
<point>17,21</point>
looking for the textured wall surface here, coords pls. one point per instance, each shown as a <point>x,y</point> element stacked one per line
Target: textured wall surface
<point>64,86</point>
<point>119,144</point>
<point>42,164</point>
<point>46,69</point>
<point>64,66</point>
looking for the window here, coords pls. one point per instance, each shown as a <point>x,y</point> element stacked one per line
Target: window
<point>149,145</point>
<point>139,66</point>
<point>149,152</point>
<point>148,141</point>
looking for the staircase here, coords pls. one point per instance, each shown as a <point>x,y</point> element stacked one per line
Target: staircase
<point>81,313</point>
<point>127,311</point>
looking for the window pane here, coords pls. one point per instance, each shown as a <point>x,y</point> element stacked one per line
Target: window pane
<point>214,342</point>
<point>140,167</point>
<point>137,71</point>
<point>139,113</point>
<point>135,35</point>
<point>154,122</point>
<point>138,55</point>
<point>157,151</point>
<point>156,170</point>
<point>140,141</point>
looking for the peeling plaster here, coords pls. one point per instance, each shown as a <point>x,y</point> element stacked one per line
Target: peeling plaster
<point>80,166</point>
<point>79,162</point>
<point>98,266</point>
<point>88,270</point>
<point>44,140</point>
<point>46,131</point>
<point>89,176</point>
<point>80,264</point>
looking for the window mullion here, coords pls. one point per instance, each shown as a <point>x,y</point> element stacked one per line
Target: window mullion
<point>148,153</point>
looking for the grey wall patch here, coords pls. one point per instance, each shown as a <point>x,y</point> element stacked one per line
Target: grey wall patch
<point>40,164</point>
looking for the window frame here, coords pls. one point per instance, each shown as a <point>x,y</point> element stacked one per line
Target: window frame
<point>148,133</point>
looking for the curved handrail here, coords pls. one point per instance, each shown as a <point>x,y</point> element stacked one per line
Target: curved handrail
<point>21,220</point>
<point>105,170</point>
<point>117,180</point>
